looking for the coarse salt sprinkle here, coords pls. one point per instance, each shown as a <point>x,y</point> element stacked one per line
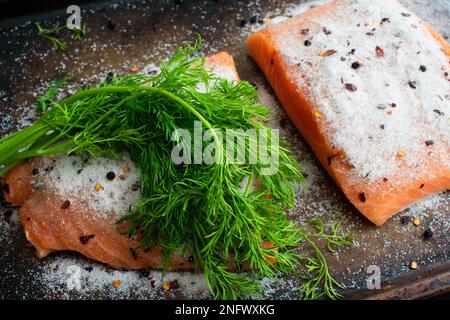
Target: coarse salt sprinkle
<point>379,35</point>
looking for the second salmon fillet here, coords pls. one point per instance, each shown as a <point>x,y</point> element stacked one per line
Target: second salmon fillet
<point>367,84</point>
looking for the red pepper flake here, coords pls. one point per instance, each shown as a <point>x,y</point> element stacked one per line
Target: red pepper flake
<point>85,239</point>
<point>414,26</point>
<point>350,87</point>
<point>422,185</point>
<point>327,53</point>
<point>389,113</point>
<point>65,204</point>
<point>362,197</point>
<point>385,179</point>
<point>267,245</point>
<point>326,31</point>
<point>329,159</point>
<point>304,31</point>
<point>379,51</point>
<point>174,284</point>
<point>133,253</point>
<point>5,188</point>
<point>122,177</point>
<point>429,143</point>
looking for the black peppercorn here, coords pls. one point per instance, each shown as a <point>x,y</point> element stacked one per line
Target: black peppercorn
<point>355,65</point>
<point>253,19</point>
<point>423,68</point>
<point>110,175</point>
<point>406,219</point>
<point>412,84</point>
<point>427,234</point>
<point>109,76</point>
<point>135,186</point>
<point>429,143</point>
<point>307,43</point>
<point>65,204</point>
<point>243,22</point>
<point>35,172</point>
<point>110,25</point>
<point>191,259</point>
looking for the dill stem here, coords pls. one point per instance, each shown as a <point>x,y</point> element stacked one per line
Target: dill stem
<point>122,89</point>
<point>40,152</point>
<point>12,146</point>
<point>249,184</point>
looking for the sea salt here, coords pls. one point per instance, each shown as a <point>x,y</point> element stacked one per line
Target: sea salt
<point>73,177</point>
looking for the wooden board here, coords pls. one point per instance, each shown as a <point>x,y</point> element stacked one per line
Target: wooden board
<point>142,33</point>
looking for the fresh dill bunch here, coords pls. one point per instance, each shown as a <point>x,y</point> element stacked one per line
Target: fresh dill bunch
<point>231,216</point>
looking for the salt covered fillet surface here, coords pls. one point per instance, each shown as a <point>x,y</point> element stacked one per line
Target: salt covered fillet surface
<point>367,84</point>
<point>60,208</point>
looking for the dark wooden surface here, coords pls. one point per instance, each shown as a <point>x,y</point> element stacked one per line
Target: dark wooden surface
<point>144,33</point>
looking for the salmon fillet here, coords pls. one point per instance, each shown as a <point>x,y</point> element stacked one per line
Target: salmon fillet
<point>68,203</point>
<point>367,85</point>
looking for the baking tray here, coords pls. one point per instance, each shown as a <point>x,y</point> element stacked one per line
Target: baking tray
<point>139,33</point>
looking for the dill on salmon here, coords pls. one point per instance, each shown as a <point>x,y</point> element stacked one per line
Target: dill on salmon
<point>237,235</point>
